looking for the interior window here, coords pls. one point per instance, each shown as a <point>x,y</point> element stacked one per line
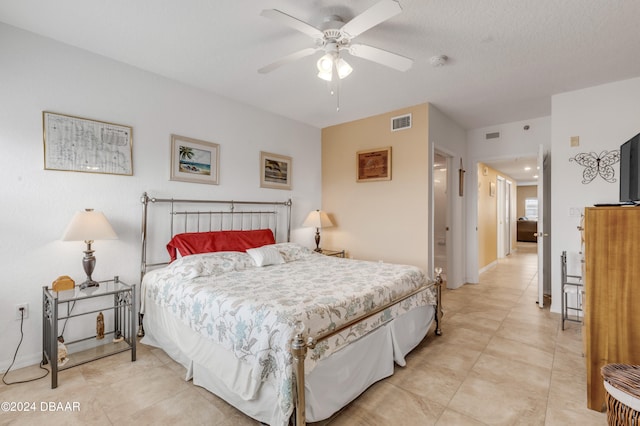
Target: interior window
<point>531,208</point>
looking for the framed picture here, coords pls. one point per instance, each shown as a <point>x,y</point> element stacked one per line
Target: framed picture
<point>275,171</point>
<point>195,161</point>
<point>374,164</point>
<point>84,145</point>
<point>492,189</point>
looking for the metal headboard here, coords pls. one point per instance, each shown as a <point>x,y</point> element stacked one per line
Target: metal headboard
<point>218,216</point>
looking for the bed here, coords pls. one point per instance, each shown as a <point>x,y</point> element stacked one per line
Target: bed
<point>275,329</point>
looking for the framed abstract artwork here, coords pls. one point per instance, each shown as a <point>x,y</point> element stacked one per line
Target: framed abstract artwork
<point>275,171</point>
<point>373,164</point>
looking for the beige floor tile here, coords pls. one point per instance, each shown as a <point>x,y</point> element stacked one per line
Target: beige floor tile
<point>187,407</point>
<point>435,383</point>
<point>450,417</point>
<point>499,403</point>
<point>127,397</point>
<point>526,353</point>
<point>513,373</point>
<point>387,404</point>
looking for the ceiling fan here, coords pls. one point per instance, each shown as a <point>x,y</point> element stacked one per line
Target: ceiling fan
<point>335,37</point>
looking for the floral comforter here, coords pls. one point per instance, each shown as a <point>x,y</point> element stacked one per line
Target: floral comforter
<point>252,311</point>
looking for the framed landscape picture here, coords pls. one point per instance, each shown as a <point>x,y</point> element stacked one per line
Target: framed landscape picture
<point>275,171</point>
<point>193,160</point>
<point>374,164</point>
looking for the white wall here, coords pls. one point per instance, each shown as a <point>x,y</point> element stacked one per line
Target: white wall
<point>40,74</point>
<point>448,137</point>
<point>603,117</point>
<point>514,142</point>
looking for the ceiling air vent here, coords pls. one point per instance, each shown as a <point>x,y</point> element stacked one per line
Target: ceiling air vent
<point>401,122</point>
<point>492,135</point>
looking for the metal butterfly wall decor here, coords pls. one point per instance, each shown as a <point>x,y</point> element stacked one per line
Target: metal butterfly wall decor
<point>598,165</point>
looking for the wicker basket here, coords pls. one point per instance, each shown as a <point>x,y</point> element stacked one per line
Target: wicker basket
<point>622,385</point>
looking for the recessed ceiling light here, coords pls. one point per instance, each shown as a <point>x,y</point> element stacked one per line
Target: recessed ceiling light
<point>526,169</point>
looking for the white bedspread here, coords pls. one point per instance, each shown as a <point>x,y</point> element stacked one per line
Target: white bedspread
<point>252,311</point>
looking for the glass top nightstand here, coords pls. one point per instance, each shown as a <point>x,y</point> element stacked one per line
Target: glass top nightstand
<point>113,297</point>
<point>335,253</point>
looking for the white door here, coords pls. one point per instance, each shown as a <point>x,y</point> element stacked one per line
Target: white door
<point>440,225</point>
<point>541,235</point>
<point>507,219</point>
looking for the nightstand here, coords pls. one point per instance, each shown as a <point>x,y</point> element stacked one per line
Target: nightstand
<point>114,298</point>
<point>334,253</point>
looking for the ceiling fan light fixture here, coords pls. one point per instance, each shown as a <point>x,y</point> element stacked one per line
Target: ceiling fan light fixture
<point>325,63</point>
<point>344,69</point>
<point>327,76</point>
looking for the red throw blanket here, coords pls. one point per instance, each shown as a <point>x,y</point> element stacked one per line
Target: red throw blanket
<point>208,242</point>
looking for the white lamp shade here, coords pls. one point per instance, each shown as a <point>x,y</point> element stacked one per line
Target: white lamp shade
<point>326,76</point>
<point>325,63</point>
<point>344,69</point>
<point>89,225</point>
<point>317,219</point>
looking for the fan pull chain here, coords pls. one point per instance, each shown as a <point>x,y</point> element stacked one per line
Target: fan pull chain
<point>335,86</point>
<point>334,90</point>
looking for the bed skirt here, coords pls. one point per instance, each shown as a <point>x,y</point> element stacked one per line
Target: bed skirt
<point>350,370</point>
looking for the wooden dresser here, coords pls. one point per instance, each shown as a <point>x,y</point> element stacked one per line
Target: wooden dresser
<point>612,305</point>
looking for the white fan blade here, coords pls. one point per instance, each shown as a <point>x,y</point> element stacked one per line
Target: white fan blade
<point>392,60</point>
<point>287,59</point>
<point>292,22</point>
<point>371,17</point>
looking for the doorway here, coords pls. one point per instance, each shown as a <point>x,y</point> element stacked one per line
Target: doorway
<point>482,232</point>
<point>441,184</point>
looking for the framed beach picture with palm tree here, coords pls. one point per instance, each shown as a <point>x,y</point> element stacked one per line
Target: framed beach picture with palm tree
<point>193,160</point>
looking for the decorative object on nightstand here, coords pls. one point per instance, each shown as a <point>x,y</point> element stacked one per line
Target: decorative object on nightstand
<point>63,356</point>
<point>63,282</point>
<point>100,326</point>
<point>88,226</point>
<point>317,219</point>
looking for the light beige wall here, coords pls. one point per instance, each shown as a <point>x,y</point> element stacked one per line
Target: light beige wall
<point>384,220</point>
<point>528,191</point>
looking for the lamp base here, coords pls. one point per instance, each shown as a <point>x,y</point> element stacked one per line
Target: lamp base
<point>88,264</point>
<point>318,249</point>
<point>89,283</point>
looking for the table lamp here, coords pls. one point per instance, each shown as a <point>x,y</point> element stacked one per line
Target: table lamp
<point>87,226</point>
<point>317,219</point>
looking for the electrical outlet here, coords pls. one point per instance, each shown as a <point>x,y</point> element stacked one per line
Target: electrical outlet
<point>25,313</point>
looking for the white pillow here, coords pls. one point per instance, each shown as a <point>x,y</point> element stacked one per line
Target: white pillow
<point>265,255</point>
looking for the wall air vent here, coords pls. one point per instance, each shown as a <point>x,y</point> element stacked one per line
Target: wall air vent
<point>492,135</point>
<point>401,122</point>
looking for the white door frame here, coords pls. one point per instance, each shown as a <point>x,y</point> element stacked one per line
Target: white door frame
<point>455,219</point>
<point>500,200</point>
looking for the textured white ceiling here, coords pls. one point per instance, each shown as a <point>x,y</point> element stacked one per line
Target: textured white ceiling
<point>507,57</point>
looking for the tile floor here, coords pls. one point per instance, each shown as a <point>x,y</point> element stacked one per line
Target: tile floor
<point>500,361</point>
